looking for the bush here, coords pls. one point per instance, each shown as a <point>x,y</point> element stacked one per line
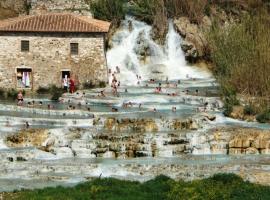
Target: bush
<point>12,94</point>
<point>2,93</point>
<point>52,90</point>
<point>89,85</point>
<point>249,110</point>
<point>240,54</point>
<point>241,64</point>
<point>102,84</point>
<point>264,117</point>
<point>43,90</point>
<point>228,108</point>
<point>194,9</point>
<point>108,10</point>
<point>56,92</point>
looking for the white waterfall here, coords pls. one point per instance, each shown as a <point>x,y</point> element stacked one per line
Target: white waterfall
<point>136,53</point>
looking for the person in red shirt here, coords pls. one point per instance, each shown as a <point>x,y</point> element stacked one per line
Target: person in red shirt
<point>72,86</point>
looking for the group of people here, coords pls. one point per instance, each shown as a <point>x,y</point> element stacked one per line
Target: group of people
<point>115,83</point>
<point>31,104</point>
<point>68,84</point>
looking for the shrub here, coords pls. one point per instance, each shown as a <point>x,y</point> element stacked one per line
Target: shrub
<point>264,117</point>
<point>12,94</point>
<point>43,90</point>
<point>52,90</point>
<point>55,92</point>
<point>144,10</point>
<point>249,110</point>
<point>228,108</point>
<point>102,84</point>
<point>108,10</point>
<point>239,53</point>
<point>89,85</point>
<point>2,93</point>
<point>194,9</point>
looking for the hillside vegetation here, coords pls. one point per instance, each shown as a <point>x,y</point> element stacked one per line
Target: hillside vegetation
<point>218,187</point>
<point>241,57</point>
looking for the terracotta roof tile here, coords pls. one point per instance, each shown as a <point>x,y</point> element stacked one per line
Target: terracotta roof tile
<point>54,23</point>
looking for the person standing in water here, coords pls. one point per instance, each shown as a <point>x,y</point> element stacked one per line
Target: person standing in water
<point>117,70</point>
<point>20,98</point>
<point>65,83</point>
<point>72,86</point>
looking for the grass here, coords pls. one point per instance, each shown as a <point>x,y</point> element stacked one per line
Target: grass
<point>221,186</point>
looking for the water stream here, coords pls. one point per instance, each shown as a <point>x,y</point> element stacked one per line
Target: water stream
<point>135,134</point>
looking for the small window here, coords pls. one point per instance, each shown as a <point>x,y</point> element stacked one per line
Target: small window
<point>24,78</point>
<point>24,45</point>
<point>74,48</point>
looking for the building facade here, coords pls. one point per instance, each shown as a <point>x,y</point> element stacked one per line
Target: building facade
<point>38,51</point>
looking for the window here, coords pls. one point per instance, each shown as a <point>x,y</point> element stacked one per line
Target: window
<point>24,45</point>
<point>24,78</point>
<point>74,48</point>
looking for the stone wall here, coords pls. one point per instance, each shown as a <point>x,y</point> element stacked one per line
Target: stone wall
<point>74,6</point>
<point>50,54</point>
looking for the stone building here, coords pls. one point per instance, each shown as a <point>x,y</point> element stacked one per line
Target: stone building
<point>39,50</point>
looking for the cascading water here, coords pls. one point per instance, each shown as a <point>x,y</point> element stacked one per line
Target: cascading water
<point>137,54</point>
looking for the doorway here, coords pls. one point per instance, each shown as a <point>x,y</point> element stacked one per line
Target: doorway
<point>65,74</point>
<point>64,77</point>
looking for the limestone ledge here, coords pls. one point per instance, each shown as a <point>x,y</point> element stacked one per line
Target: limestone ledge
<point>141,142</point>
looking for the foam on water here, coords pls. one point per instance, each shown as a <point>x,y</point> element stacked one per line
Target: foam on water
<point>2,144</point>
<point>136,53</point>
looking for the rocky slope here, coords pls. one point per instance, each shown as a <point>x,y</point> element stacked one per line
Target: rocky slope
<point>12,8</point>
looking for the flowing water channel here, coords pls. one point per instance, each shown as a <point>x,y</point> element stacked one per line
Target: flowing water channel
<point>137,134</point>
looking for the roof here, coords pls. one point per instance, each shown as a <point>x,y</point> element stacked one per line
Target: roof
<point>64,22</point>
